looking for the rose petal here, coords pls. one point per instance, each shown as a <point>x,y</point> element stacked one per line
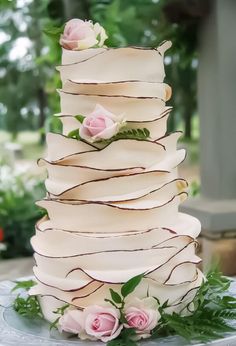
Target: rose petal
<point>108,319</point>
<point>88,42</point>
<point>67,44</point>
<point>107,133</point>
<point>84,133</point>
<point>108,122</point>
<point>99,30</point>
<point>71,322</point>
<point>113,336</point>
<point>101,110</point>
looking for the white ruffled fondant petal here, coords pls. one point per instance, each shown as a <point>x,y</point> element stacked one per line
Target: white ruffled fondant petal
<point>113,210</point>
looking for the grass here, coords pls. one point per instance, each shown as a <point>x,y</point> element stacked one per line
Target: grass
<point>33,151</point>
<point>30,142</point>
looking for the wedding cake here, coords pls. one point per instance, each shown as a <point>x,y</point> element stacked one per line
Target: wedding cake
<point>113,189</point>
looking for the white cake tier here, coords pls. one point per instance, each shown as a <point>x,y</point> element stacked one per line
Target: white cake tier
<point>113,208</point>
<point>79,268</point>
<point>111,65</point>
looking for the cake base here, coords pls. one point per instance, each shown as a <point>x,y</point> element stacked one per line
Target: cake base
<point>17,329</point>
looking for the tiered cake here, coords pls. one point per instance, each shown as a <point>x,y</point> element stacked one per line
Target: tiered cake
<point>113,206</point>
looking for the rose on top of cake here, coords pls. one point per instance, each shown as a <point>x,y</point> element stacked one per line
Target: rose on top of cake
<point>79,35</point>
<point>100,124</point>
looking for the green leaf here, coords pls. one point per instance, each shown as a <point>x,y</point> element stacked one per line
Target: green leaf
<point>157,300</point>
<point>122,318</point>
<point>25,285</point>
<point>130,285</point>
<point>80,118</point>
<point>146,132</point>
<point>62,309</point>
<point>165,304</point>
<point>115,296</point>
<point>53,32</point>
<point>111,302</point>
<point>54,324</point>
<point>74,134</point>
<point>138,134</point>
<point>124,339</point>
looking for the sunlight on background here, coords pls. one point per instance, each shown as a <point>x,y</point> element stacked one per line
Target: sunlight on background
<point>20,48</point>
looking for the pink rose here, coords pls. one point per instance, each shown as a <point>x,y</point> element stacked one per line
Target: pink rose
<point>101,323</point>
<point>79,35</point>
<point>71,322</point>
<point>100,124</point>
<point>142,315</point>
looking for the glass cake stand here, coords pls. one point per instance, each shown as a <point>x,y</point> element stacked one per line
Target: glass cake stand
<point>15,329</point>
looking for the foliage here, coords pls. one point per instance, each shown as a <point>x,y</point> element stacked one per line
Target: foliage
<point>214,312</point>
<point>139,134</point>
<point>130,285</point>
<point>26,73</point>
<point>18,213</point>
<point>26,305</point>
<point>194,188</point>
<point>60,311</point>
<point>54,32</point>
<point>126,289</point>
<point>23,285</point>
<point>124,339</point>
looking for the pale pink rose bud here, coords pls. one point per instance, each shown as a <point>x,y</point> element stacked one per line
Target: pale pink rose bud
<point>100,124</point>
<point>101,323</point>
<point>79,35</point>
<point>142,315</point>
<point>71,322</point>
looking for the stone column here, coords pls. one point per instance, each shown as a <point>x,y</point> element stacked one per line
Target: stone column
<point>216,207</point>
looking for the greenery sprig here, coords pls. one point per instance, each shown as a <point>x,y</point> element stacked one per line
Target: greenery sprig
<point>23,285</point>
<point>118,300</point>
<point>60,311</point>
<point>212,314</point>
<point>26,305</point>
<point>125,338</point>
<point>138,134</point>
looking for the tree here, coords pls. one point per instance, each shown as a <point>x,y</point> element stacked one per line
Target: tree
<point>25,78</point>
<point>147,23</point>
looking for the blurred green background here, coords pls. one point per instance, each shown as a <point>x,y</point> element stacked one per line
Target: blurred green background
<point>28,83</point>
